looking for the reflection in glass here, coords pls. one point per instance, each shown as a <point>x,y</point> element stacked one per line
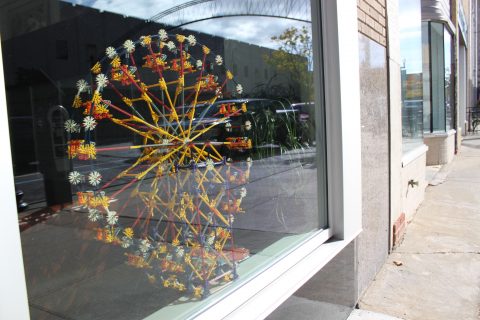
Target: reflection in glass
<point>437,52</point>
<point>411,73</point>
<point>176,162</point>
<point>440,86</point>
<point>427,99</point>
<point>449,102</point>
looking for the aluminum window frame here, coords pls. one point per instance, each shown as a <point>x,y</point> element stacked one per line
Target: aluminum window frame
<point>13,292</point>
<point>337,73</point>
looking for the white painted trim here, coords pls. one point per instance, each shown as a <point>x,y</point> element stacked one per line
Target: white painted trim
<point>255,299</point>
<point>414,154</point>
<point>13,291</point>
<point>342,101</point>
<point>288,282</point>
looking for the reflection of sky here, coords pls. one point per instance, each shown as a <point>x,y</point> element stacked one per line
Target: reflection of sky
<point>257,31</point>
<point>411,35</point>
<point>143,9</point>
<point>447,40</point>
<point>371,53</point>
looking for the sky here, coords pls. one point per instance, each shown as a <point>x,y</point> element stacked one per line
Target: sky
<point>256,31</point>
<point>411,35</point>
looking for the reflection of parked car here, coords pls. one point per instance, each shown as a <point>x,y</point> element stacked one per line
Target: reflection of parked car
<point>255,122</point>
<point>250,124</point>
<point>304,110</point>
<point>267,123</point>
<point>305,115</point>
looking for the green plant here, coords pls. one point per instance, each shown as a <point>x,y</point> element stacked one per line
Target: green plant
<point>294,59</point>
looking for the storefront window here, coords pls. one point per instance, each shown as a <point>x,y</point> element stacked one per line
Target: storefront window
<point>427,99</point>
<point>438,79</point>
<point>157,178</point>
<point>449,87</point>
<point>411,73</point>
<point>440,85</point>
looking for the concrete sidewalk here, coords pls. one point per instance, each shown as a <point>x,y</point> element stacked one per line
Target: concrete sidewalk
<point>435,273</point>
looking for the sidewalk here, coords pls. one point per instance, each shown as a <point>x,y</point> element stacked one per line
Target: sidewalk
<point>435,273</point>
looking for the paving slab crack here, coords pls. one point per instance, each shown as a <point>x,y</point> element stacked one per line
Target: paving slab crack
<point>439,252</point>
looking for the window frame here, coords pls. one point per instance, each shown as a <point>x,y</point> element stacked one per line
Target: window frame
<point>337,73</point>
<point>13,292</point>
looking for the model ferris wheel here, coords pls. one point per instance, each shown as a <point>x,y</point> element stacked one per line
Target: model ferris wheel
<point>173,208</point>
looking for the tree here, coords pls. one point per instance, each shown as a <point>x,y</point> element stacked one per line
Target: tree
<point>293,58</point>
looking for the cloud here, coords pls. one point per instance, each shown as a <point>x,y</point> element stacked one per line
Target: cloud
<point>142,9</point>
<point>257,30</point>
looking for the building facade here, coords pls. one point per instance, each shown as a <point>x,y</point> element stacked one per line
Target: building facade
<point>208,160</point>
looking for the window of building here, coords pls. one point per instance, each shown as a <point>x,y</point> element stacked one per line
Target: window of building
<point>438,46</point>
<point>427,101</point>
<point>166,180</point>
<point>449,81</point>
<point>411,73</point>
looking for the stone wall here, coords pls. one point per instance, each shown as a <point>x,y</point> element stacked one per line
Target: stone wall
<point>372,244</point>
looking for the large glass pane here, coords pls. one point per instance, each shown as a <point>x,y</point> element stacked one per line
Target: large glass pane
<point>449,84</point>
<point>411,72</point>
<point>427,99</point>
<point>167,150</point>
<point>437,56</point>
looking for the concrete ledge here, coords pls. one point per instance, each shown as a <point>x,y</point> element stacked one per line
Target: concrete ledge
<point>440,134</point>
<point>441,147</point>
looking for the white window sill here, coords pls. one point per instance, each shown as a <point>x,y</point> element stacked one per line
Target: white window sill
<point>258,296</point>
<point>414,154</point>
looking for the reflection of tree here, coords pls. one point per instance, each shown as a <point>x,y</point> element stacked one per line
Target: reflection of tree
<point>292,59</point>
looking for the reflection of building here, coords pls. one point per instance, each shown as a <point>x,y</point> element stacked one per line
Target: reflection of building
<point>412,107</point>
<point>24,16</point>
<point>49,45</point>
<point>243,59</point>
